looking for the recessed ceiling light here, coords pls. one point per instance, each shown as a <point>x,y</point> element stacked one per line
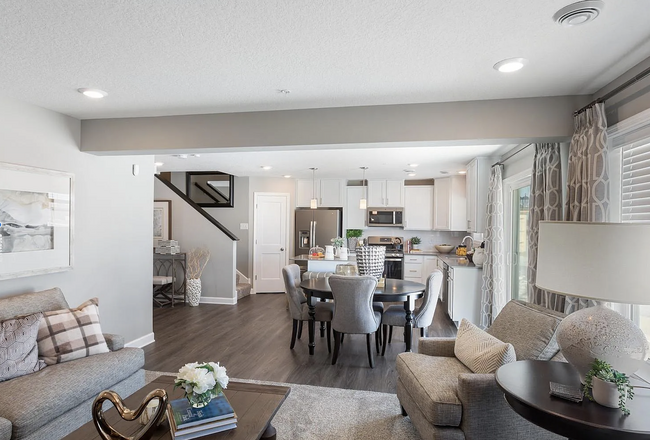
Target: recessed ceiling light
<point>413,165</point>
<point>287,176</point>
<point>195,155</point>
<point>180,156</point>
<point>462,172</point>
<point>265,167</point>
<point>284,91</point>
<point>409,171</point>
<point>411,174</point>
<point>92,93</point>
<point>510,65</point>
<point>159,164</point>
<point>579,13</point>
<point>444,172</point>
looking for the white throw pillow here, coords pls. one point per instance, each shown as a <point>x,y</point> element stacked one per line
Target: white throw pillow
<point>480,352</point>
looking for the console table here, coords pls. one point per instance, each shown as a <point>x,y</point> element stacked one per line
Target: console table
<point>526,388</point>
<point>175,266</point>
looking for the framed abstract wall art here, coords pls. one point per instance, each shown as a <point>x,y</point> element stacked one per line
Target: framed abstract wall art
<point>36,221</point>
<point>162,220</point>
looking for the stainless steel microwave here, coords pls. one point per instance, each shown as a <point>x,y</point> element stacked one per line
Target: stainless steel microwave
<point>385,216</point>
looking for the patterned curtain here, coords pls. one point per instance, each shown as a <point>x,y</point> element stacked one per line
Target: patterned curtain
<point>545,204</point>
<point>588,178</point>
<point>494,293</point>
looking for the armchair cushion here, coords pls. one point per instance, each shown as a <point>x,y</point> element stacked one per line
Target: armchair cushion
<point>479,351</point>
<point>530,328</point>
<point>437,346</point>
<point>5,429</point>
<point>114,342</point>
<point>432,382</point>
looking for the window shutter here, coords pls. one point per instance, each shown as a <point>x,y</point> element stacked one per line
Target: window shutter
<point>635,197</point>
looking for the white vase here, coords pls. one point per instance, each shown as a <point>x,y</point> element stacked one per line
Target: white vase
<point>605,393</point>
<point>415,246</point>
<point>193,291</point>
<point>479,257</point>
<point>329,252</point>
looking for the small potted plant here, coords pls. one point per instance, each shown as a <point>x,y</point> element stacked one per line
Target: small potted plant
<point>353,236</point>
<point>201,382</point>
<point>609,387</point>
<point>415,242</point>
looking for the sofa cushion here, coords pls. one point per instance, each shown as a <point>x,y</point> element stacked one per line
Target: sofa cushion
<point>18,348</point>
<point>432,383</point>
<point>30,303</point>
<point>31,401</point>
<point>69,334</point>
<point>530,328</point>
<point>480,352</point>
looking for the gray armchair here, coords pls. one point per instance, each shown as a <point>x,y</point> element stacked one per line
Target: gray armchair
<point>445,400</point>
<point>353,311</point>
<point>298,305</point>
<point>422,317</point>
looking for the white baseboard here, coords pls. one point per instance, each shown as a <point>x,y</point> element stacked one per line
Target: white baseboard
<point>142,341</point>
<point>215,300</point>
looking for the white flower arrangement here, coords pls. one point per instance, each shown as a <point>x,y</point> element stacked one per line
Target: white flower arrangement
<point>201,381</point>
<point>338,242</point>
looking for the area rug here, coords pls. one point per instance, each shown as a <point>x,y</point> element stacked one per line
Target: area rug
<point>333,413</point>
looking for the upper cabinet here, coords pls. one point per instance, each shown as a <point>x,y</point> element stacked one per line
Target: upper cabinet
<point>328,192</point>
<point>449,204</point>
<point>355,218</point>
<point>476,185</point>
<point>418,207</point>
<point>389,193</point>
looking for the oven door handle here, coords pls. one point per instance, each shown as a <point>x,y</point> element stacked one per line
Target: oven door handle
<point>393,259</point>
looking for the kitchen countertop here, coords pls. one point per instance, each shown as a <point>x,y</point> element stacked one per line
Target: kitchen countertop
<point>450,259</point>
<point>351,258</point>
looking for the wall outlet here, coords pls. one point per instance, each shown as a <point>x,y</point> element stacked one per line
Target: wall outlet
<point>243,226</point>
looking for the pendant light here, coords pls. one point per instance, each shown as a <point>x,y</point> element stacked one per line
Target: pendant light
<point>313,204</point>
<point>363,203</point>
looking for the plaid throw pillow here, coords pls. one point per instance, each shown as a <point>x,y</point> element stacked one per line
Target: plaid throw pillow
<point>69,334</point>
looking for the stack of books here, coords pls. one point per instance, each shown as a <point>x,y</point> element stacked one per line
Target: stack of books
<point>187,422</point>
<point>167,247</point>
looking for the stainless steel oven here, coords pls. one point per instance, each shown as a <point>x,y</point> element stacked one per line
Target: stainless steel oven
<point>394,255</point>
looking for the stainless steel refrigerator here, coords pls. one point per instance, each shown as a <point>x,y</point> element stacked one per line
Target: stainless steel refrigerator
<point>317,227</point>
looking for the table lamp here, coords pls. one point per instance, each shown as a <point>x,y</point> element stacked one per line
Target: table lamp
<point>604,262</point>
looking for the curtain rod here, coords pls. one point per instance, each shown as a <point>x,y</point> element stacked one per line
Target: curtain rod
<point>511,155</point>
<point>614,92</point>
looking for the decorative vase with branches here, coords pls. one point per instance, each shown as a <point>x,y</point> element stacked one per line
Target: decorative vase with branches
<point>196,262</point>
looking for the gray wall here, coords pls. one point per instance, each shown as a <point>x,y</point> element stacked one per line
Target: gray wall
<point>192,230</point>
<point>113,218</point>
<point>631,101</point>
<point>472,122</point>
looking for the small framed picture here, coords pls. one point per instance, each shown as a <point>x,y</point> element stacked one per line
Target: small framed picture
<point>162,220</point>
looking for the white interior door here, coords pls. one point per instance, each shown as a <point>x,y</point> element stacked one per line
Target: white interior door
<point>271,241</point>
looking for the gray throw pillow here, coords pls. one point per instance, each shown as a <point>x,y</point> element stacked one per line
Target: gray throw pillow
<point>479,351</point>
<point>18,347</point>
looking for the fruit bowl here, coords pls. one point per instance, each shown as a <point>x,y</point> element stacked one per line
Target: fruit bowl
<point>444,248</point>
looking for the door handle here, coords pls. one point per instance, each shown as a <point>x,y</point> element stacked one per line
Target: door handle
<point>281,249</point>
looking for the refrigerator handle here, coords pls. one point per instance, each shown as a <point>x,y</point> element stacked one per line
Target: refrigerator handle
<point>313,237</point>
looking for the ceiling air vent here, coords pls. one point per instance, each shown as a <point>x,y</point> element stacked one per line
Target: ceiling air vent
<point>579,13</point>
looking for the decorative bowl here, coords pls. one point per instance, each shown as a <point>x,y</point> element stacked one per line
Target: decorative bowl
<point>444,248</point>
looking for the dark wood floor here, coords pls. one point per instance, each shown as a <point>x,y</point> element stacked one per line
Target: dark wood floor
<point>251,339</point>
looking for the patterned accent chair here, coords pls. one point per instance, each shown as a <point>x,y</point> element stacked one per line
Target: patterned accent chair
<point>446,401</point>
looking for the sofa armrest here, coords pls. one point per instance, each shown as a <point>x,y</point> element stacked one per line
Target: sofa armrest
<point>437,346</point>
<point>486,414</point>
<point>114,342</point>
<point>5,429</point>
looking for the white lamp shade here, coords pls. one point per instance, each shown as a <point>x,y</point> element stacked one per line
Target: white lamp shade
<point>600,261</point>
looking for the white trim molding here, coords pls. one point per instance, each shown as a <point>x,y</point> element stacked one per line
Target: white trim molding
<point>630,130</point>
<point>217,300</point>
<point>141,341</point>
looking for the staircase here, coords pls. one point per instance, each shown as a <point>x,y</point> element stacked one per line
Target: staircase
<point>243,286</point>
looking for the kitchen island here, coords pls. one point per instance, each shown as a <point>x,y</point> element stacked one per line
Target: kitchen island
<point>321,264</point>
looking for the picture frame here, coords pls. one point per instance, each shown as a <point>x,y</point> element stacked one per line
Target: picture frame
<point>36,221</point>
<point>162,220</point>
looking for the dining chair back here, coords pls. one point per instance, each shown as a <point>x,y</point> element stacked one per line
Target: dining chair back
<point>423,316</point>
<point>353,311</point>
<point>295,296</point>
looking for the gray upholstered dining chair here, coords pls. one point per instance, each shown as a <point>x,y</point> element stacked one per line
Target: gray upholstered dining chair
<point>298,305</point>
<point>353,312</point>
<point>422,316</point>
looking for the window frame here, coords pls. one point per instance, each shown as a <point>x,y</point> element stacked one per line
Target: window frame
<point>510,185</point>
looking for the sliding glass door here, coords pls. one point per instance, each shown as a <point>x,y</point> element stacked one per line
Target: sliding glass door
<point>517,200</point>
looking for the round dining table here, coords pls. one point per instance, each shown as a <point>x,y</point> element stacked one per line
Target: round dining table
<point>392,291</point>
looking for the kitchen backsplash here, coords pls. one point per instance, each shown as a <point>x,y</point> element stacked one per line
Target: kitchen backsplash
<point>429,238</point>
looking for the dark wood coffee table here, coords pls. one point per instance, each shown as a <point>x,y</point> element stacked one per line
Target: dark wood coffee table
<point>255,406</point>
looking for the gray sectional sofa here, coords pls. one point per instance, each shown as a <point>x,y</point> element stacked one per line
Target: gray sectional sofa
<point>53,402</point>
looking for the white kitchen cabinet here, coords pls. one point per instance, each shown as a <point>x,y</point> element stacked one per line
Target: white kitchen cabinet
<point>449,204</point>
<point>418,208</point>
<point>355,218</point>
<point>476,185</point>
<point>464,294</point>
<point>389,193</point>
<point>328,192</point>
<point>413,268</point>
<point>430,264</point>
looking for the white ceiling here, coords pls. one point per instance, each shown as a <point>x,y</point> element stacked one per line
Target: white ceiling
<point>162,57</point>
<point>382,163</point>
